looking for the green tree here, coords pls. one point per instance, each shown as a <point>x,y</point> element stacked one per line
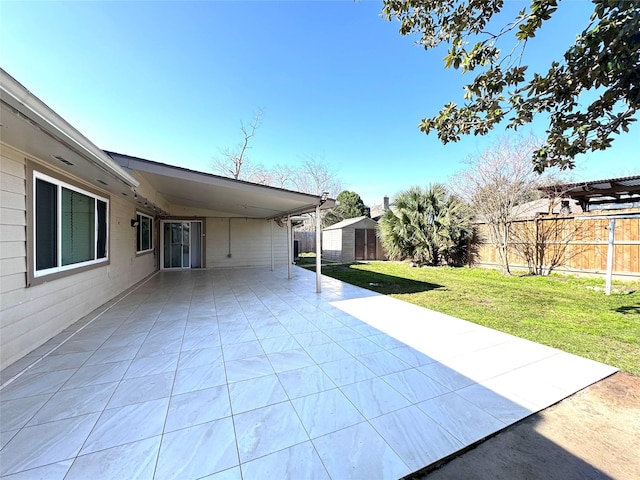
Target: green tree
<point>605,59</point>
<point>427,226</point>
<point>350,205</point>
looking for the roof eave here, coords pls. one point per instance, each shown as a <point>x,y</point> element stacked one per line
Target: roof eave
<point>53,124</point>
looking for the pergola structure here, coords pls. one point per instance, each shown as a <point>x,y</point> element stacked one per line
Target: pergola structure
<point>623,192</point>
<point>610,194</point>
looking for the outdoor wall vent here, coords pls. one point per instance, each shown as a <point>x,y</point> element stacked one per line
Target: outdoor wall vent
<point>102,182</point>
<point>63,160</point>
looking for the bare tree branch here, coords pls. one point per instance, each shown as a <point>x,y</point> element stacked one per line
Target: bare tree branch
<point>495,183</point>
<point>314,176</point>
<point>232,162</point>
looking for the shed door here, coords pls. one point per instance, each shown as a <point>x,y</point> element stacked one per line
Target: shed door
<point>365,244</point>
<point>371,244</point>
<point>360,243</point>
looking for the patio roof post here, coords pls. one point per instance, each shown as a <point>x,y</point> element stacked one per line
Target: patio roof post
<point>271,231</point>
<point>318,250</point>
<point>610,248</point>
<point>289,242</point>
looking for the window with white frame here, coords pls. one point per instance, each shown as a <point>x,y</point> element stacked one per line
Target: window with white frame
<point>70,226</point>
<point>144,233</point>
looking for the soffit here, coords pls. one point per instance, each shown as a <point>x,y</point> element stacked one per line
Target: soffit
<point>28,125</point>
<point>182,187</point>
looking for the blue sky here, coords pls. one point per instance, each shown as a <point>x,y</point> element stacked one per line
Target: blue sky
<point>171,81</point>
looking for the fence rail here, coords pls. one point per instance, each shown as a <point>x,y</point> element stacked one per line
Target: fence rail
<point>574,244</point>
<point>306,241</point>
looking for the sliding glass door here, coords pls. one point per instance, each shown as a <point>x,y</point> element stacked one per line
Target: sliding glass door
<point>182,244</point>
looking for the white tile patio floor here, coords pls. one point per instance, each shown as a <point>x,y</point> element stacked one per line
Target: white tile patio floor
<point>244,374</point>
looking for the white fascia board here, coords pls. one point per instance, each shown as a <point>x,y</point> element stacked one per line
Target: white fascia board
<point>55,125</point>
<point>172,171</point>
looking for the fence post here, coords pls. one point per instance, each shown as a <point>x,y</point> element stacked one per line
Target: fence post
<point>610,248</point>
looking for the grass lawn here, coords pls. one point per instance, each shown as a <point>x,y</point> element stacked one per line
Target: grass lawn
<point>559,311</point>
<point>309,259</point>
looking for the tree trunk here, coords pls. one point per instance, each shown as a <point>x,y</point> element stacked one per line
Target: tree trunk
<point>504,247</point>
<point>500,234</point>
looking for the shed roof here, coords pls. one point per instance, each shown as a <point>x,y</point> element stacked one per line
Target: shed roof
<point>352,222</point>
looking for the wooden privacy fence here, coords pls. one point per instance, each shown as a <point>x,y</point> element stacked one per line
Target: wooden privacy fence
<point>576,244</point>
<point>306,241</point>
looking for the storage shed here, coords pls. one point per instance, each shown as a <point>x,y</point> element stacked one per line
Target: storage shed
<point>352,239</point>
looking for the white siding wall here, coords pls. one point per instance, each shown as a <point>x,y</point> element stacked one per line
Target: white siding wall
<point>332,245</point>
<point>348,244</point>
<point>31,316</point>
<point>13,260</point>
<point>250,243</point>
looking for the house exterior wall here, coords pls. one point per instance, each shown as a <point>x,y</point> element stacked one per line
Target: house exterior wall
<point>249,241</point>
<point>29,316</point>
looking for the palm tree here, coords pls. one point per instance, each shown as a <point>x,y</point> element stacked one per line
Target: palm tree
<point>428,226</point>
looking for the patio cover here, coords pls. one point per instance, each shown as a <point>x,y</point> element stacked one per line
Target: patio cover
<point>31,126</point>
<point>190,188</point>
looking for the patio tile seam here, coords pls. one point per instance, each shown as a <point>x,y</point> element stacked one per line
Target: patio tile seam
<point>38,360</point>
<point>309,440</point>
<point>106,408</point>
<point>497,375</point>
<point>459,438</point>
<point>409,399</point>
<point>382,437</point>
<point>66,458</point>
<point>22,472</point>
<point>80,454</point>
<point>101,414</point>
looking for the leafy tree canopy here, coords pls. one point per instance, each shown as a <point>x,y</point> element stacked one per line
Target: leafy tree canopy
<point>350,205</point>
<point>605,59</point>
